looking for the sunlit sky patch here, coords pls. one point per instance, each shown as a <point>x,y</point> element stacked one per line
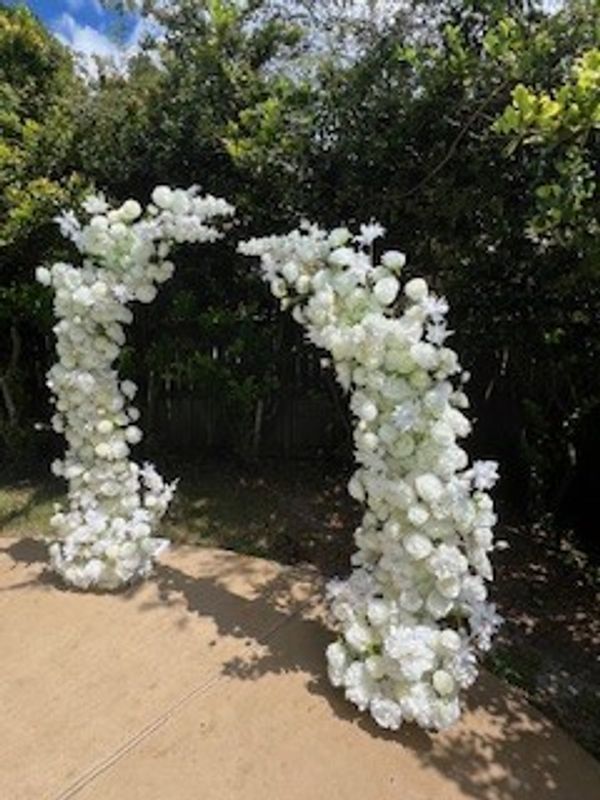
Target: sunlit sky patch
<point>87,27</point>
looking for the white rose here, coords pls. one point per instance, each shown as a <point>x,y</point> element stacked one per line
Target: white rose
<point>437,605</point>
<point>429,488</point>
<point>105,427</point>
<point>367,411</point>
<point>370,440</point>
<point>450,640</point>
<point>418,515</point>
<point>290,271</point>
<point>375,667</point>
<point>103,450</point>
<point>133,434</point>
<point>386,290</point>
<point>130,210</point>
<point>425,355</point>
<point>443,682</point>
<point>303,284</point>
<point>43,276</point>
<point>416,290</point>
<point>180,203</point>
<point>356,489</point>
<point>119,449</point>
<point>378,612</point>
<point>386,713</point>
<point>411,600</point>
<point>339,237</point>
<point>129,389</point>
<point>146,294</point>
<point>162,196</point>
<point>358,636</point>
<point>393,260</point>
<point>442,433</point>
<point>337,660</point>
<point>278,288</point>
<point>418,546</point>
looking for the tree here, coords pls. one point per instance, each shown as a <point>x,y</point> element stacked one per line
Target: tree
<point>409,130</point>
<point>39,92</point>
<point>205,103</point>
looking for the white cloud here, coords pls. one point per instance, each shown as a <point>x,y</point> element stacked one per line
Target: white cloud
<point>84,39</point>
<point>90,43</point>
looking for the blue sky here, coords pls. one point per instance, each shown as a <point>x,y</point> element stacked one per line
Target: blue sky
<point>86,26</point>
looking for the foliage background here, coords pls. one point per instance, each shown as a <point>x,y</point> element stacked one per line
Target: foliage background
<point>469,129</point>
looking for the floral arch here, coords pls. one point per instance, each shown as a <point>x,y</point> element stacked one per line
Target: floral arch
<point>106,535</point>
<point>414,614</point>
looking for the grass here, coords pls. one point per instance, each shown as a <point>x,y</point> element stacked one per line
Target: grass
<point>26,507</point>
<point>518,665</point>
<point>289,514</point>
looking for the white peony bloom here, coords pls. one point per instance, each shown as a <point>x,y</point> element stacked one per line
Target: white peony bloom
<point>386,713</point>
<point>359,685</point>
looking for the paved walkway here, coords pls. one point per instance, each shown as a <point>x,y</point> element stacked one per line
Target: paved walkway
<point>206,683</point>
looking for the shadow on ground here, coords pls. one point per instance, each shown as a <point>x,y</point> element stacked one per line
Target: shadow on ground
<point>512,752</point>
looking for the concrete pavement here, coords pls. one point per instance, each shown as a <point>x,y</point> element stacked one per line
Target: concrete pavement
<point>207,682</point>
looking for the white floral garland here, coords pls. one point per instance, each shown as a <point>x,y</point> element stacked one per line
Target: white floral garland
<point>414,613</point>
<point>106,536</point>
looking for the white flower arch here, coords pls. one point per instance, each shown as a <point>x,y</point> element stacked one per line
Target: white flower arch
<point>106,535</point>
<point>414,614</point>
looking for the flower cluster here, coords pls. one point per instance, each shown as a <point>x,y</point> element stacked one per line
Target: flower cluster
<point>106,535</point>
<point>414,613</point>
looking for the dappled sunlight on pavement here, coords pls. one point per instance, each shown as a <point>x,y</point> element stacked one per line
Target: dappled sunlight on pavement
<point>208,681</point>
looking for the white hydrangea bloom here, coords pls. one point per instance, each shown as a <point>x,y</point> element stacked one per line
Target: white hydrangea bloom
<point>107,533</point>
<point>414,614</point>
